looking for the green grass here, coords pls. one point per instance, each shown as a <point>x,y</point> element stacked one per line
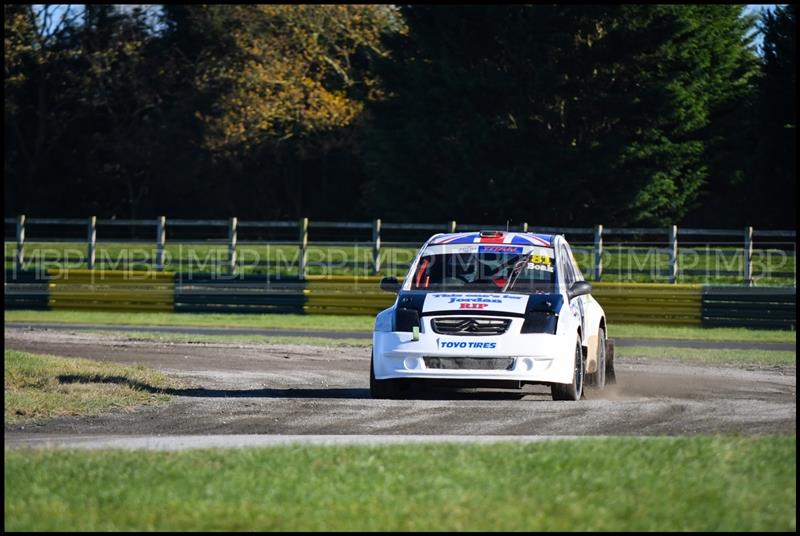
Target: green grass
<point>711,262</point>
<point>613,484</point>
<point>363,323</point>
<point>646,331</point>
<point>710,355</point>
<point>38,387</point>
<point>277,321</point>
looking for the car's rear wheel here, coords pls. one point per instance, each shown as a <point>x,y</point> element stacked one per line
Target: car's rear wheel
<point>574,390</point>
<point>598,378</point>
<point>381,388</point>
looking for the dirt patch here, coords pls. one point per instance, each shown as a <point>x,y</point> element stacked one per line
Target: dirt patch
<point>291,389</point>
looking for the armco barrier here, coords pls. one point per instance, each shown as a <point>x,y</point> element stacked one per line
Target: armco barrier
<point>111,290</point>
<point>249,294</point>
<point>623,303</point>
<point>749,307</point>
<point>649,303</point>
<point>345,295</point>
<point>25,290</point>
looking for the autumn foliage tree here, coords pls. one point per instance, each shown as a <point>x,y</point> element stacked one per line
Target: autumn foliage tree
<point>289,86</point>
<point>291,72</point>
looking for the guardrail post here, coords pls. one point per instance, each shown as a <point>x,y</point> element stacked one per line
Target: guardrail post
<point>748,256</point>
<point>232,244</point>
<point>376,248</point>
<point>598,252</point>
<point>20,253</point>
<point>92,246</point>
<point>452,226</point>
<point>673,254</point>
<point>303,258</point>
<point>161,240</point>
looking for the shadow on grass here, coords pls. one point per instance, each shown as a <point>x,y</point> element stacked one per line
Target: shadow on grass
<point>432,392</point>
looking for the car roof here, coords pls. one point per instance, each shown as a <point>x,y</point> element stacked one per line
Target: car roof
<point>494,237</point>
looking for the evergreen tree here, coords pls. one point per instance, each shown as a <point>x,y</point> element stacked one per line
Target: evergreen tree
<point>774,192</point>
<point>554,114</point>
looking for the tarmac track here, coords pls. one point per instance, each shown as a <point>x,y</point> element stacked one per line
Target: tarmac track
<point>238,394</point>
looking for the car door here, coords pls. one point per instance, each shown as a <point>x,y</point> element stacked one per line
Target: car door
<point>572,274</point>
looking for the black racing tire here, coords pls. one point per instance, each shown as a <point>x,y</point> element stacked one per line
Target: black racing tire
<point>611,375</point>
<point>597,378</point>
<point>572,391</point>
<point>381,388</point>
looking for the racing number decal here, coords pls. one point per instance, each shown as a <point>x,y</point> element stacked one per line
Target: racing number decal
<point>540,262</point>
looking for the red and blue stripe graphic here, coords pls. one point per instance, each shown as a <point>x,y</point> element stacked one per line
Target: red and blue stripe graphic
<point>526,239</point>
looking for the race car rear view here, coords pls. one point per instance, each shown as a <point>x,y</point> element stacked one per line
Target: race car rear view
<point>492,308</point>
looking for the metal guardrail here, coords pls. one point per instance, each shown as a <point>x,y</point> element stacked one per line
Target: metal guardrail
<point>109,290</point>
<point>594,247</point>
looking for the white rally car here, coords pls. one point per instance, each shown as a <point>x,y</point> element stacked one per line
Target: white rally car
<point>492,308</point>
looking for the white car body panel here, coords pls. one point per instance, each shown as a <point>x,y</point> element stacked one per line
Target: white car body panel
<point>537,357</point>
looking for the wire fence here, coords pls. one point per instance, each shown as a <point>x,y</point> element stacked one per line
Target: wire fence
<point>302,248</point>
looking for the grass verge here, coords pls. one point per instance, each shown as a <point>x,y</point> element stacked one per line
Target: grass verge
<point>710,355</point>
<point>613,484</point>
<point>363,323</point>
<point>275,321</point>
<point>39,387</point>
<point>646,331</point>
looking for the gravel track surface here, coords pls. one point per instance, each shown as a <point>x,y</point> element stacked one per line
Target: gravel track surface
<point>293,391</point>
<point>197,330</point>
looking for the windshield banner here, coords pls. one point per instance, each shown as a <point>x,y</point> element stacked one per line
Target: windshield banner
<point>475,301</point>
<point>478,248</point>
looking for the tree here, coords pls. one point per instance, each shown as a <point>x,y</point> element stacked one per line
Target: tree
<point>289,86</point>
<point>290,71</point>
<point>37,94</point>
<point>774,191</point>
<point>553,114</point>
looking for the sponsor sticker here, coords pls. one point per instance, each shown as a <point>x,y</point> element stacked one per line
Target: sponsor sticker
<point>467,344</point>
<point>446,301</point>
<point>501,249</point>
<point>479,299</point>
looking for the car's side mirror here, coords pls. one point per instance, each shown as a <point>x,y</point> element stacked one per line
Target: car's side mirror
<point>579,288</point>
<point>390,284</point>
